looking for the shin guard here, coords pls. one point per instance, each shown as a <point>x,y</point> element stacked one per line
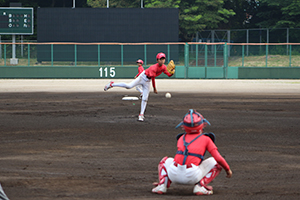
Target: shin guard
<point>211,175</point>
<point>163,174</point>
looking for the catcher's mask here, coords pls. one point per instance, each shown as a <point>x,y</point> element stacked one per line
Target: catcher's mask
<point>160,55</point>
<point>193,122</point>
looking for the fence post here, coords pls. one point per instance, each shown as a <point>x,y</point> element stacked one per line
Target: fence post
<point>290,55</point>
<point>225,60</point>
<point>4,54</point>
<point>243,55</point>
<point>75,46</point>
<point>51,55</point>
<point>228,40</point>
<point>28,47</point>
<point>205,53</point>
<point>205,60</point>
<point>122,55</point>
<point>145,54</point>
<point>267,49</point>
<point>98,55</point>
<point>287,40</point>
<point>247,40</point>
<point>169,55</point>
<point>22,49</point>
<point>215,51</point>
<point>186,59</point>
<point>197,55</point>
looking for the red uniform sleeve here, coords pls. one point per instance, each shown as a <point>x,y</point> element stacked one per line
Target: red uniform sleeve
<point>166,71</point>
<point>153,82</point>
<point>213,150</point>
<point>140,70</point>
<point>154,71</point>
<point>215,153</point>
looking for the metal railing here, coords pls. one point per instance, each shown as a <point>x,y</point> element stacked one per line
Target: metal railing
<point>192,54</point>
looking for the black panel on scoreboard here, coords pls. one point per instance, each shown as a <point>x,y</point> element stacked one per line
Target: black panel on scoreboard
<point>107,25</point>
<point>124,25</point>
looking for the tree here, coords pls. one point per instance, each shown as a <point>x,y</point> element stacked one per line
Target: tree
<point>195,15</point>
<point>245,14</point>
<point>279,14</point>
<point>291,14</point>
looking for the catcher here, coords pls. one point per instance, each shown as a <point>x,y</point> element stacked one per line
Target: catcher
<point>144,80</point>
<point>188,166</point>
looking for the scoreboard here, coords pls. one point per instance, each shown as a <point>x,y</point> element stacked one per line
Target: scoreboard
<point>16,21</point>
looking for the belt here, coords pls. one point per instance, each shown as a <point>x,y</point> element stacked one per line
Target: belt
<point>148,77</point>
<point>187,166</point>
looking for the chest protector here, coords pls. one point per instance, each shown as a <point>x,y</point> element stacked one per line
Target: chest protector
<point>186,152</point>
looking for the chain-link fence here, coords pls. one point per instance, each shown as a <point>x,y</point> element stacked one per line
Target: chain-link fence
<point>193,54</point>
<point>262,35</point>
<point>87,54</point>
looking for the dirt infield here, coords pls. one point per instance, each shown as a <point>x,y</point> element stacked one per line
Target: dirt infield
<point>163,85</point>
<point>70,140</point>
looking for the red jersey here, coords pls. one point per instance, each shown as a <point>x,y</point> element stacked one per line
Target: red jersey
<point>140,70</point>
<point>199,146</point>
<point>155,70</point>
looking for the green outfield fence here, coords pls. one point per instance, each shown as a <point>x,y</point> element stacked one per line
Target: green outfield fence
<point>193,60</point>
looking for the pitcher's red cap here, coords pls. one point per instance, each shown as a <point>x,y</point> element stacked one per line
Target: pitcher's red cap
<point>160,55</point>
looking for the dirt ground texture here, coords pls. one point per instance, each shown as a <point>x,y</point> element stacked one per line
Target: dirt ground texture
<point>89,145</point>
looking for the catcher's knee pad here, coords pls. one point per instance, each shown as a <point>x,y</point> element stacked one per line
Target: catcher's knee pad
<point>162,173</point>
<point>211,175</point>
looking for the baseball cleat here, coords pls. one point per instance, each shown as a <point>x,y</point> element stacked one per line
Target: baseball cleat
<point>201,190</point>
<point>155,184</point>
<point>208,187</point>
<point>108,86</point>
<point>141,118</point>
<point>160,189</point>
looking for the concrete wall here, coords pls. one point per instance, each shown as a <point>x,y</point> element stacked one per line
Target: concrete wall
<point>96,72</point>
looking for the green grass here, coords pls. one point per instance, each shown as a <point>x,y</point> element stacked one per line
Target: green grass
<point>260,61</point>
<point>233,61</point>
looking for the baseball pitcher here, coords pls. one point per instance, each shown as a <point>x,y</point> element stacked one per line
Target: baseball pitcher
<point>144,80</point>
<point>188,166</point>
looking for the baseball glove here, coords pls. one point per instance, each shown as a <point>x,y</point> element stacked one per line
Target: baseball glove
<point>171,67</point>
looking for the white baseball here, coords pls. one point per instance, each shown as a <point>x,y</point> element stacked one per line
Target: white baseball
<point>168,95</point>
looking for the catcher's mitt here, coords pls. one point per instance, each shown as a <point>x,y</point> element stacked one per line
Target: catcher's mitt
<point>171,67</point>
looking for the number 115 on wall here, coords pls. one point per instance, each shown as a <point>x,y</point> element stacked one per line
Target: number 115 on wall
<point>107,71</point>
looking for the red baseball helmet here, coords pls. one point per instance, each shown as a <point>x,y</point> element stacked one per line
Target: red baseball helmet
<point>140,61</point>
<point>193,122</point>
<point>160,55</point>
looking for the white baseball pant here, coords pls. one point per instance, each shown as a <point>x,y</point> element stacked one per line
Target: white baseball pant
<point>140,80</point>
<point>139,88</point>
<point>182,175</point>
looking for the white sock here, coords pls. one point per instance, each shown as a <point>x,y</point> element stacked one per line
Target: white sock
<point>166,181</point>
<point>143,107</point>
